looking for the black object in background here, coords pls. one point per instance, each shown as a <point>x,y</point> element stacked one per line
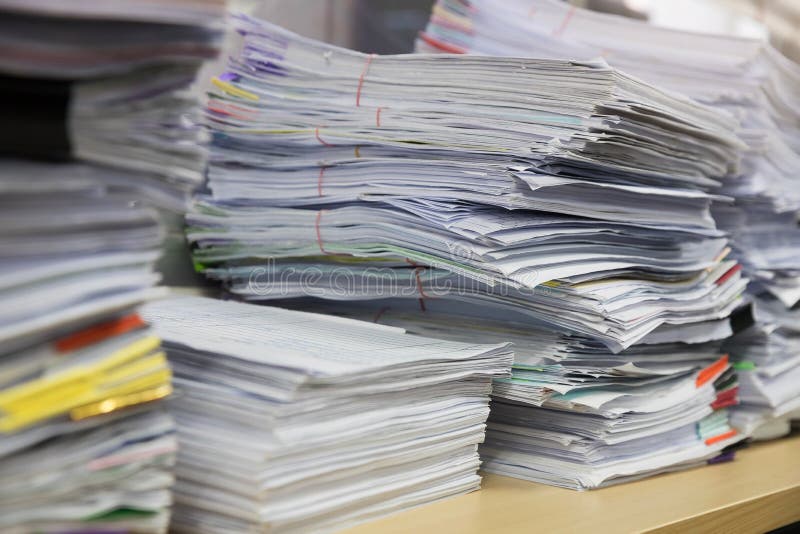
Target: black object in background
<point>34,118</point>
<point>389,26</point>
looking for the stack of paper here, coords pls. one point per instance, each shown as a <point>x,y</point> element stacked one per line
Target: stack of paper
<point>767,356</point>
<point>744,77</point>
<point>565,199</point>
<point>465,177</point>
<point>294,421</point>
<point>82,444</point>
<point>108,84</point>
<point>100,89</point>
<point>575,414</point>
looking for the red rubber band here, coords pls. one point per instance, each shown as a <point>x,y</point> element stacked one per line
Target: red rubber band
<point>378,117</point>
<point>418,269</point>
<point>380,313</point>
<point>361,79</point>
<point>316,134</point>
<point>319,180</point>
<point>565,22</point>
<point>319,236</point>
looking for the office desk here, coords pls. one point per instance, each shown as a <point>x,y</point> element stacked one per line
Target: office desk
<point>758,491</point>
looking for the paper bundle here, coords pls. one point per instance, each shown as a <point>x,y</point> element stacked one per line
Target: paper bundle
<point>744,77</point>
<point>100,92</point>
<point>576,415</point>
<point>563,191</point>
<point>291,421</point>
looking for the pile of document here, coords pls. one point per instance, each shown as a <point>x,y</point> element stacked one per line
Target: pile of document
<point>577,415</point>
<point>358,177</point>
<point>108,84</point>
<point>565,199</point>
<point>98,91</point>
<point>295,421</point>
<point>83,445</point>
<point>746,78</point>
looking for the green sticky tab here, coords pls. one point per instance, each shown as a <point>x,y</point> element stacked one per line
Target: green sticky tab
<point>744,366</point>
<point>199,267</point>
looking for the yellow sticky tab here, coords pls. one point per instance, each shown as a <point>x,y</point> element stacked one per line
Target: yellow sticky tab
<point>118,374</point>
<point>112,404</point>
<point>233,90</point>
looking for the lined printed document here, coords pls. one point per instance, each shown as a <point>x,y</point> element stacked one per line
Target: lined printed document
<point>313,422</point>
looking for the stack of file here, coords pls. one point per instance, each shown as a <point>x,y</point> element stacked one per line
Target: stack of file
<point>100,92</point>
<point>82,445</point>
<point>745,77</point>
<point>767,356</point>
<point>576,415</point>
<point>294,421</point>
<point>108,85</point>
<point>465,177</point>
<point>562,197</point>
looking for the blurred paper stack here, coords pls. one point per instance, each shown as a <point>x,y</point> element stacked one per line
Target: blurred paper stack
<point>96,132</point>
<point>551,194</point>
<point>292,422</point>
<point>767,355</point>
<point>745,77</point>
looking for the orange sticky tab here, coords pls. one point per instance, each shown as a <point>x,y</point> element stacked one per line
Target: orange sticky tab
<point>99,332</point>
<point>712,371</point>
<point>720,437</point>
<point>441,45</point>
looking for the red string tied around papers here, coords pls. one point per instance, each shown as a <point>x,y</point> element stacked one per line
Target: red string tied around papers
<point>378,117</point>
<point>361,79</point>
<point>319,179</point>
<point>564,23</point>
<point>319,235</point>
<point>380,313</point>
<point>417,270</point>
<point>316,134</point>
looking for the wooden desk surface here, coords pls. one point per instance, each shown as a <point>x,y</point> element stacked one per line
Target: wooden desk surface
<point>758,491</point>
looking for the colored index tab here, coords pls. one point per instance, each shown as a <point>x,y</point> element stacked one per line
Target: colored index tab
<point>744,366</point>
<point>727,276</point>
<point>711,371</point>
<point>720,437</point>
<point>99,332</point>
<point>233,90</point>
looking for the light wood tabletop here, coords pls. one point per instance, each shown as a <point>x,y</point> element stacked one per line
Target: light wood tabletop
<point>758,491</point>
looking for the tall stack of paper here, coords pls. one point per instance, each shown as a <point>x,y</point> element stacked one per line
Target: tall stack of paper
<point>549,193</point>
<point>745,77</point>
<point>84,446</point>
<point>295,421</point>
